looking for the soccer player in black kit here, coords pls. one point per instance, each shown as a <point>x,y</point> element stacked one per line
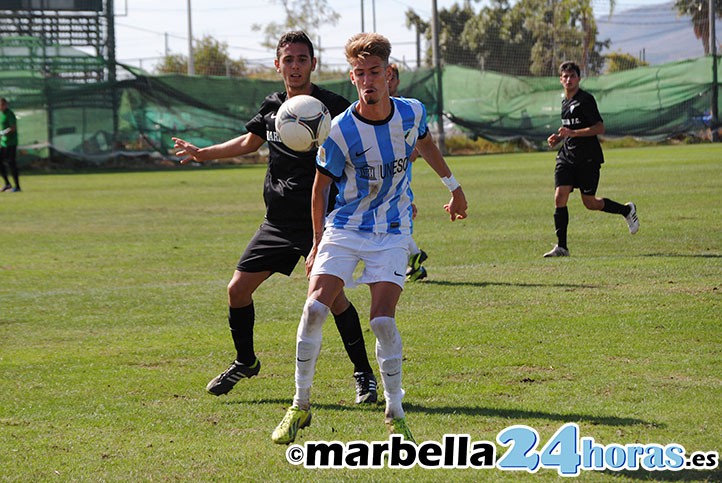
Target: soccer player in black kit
<point>580,159</point>
<point>286,233</point>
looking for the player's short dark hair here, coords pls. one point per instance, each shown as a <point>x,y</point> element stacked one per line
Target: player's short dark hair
<point>569,65</point>
<point>294,37</point>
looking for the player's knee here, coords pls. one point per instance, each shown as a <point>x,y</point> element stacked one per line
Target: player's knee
<point>315,313</point>
<point>384,328</point>
<point>233,289</point>
<point>561,201</point>
<point>238,295</point>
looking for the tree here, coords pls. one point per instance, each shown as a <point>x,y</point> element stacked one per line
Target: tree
<point>498,37</point>
<point>173,64</point>
<point>618,62</point>
<point>699,11</point>
<point>210,58</point>
<point>413,20</point>
<point>306,15</point>
<point>452,23</point>
<point>562,30</point>
<point>532,37</point>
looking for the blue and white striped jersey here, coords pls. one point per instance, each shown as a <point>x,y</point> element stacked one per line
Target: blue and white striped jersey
<point>369,161</point>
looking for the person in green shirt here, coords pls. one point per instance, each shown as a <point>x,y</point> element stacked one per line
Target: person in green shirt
<point>8,145</point>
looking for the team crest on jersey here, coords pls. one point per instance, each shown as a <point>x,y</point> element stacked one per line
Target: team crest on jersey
<point>321,155</point>
<point>367,172</point>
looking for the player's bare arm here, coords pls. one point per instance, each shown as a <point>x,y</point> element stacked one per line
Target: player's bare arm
<point>319,205</point>
<point>244,144</point>
<point>595,130</point>
<point>457,206</point>
<point>414,155</point>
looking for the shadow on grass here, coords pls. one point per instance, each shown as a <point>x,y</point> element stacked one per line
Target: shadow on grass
<point>446,283</point>
<point>509,414</point>
<point>521,414</point>
<point>683,255</point>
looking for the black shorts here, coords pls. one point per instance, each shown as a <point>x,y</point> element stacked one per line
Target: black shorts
<point>276,249</point>
<point>8,154</point>
<point>583,175</point>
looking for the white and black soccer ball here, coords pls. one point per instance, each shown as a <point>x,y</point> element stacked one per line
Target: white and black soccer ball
<point>303,123</point>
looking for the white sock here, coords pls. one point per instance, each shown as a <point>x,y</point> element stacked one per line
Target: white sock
<point>413,248</point>
<point>308,346</point>
<point>388,354</point>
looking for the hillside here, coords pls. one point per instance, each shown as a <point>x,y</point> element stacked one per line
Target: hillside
<point>654,32</point>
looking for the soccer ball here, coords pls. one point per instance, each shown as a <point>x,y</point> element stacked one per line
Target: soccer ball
<point>303,123</point>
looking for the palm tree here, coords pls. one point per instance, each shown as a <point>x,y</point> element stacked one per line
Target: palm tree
<point>699,11</point>
<point>413,20</point>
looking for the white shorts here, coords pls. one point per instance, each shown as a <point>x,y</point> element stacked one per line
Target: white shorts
<point>385,256</point>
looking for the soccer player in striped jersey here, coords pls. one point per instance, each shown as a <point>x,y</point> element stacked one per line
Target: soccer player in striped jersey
<point>367,157</point>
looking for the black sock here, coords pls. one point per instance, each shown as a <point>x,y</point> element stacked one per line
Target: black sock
<point>616,208</point>
<point>349,327</point>
<point>241,321</point>
<point>15,173</point>
<point>561,221</point>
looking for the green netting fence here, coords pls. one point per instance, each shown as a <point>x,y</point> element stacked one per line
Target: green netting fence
<point>136,117</point>
<point>652,102</point>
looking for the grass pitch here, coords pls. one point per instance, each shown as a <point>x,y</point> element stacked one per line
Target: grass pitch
<point>113,319</point>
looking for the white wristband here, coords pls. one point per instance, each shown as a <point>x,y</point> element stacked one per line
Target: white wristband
<point>450,182</point>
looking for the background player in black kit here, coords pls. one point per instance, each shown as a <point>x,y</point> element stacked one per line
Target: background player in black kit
<point>580,159</point>
<point>286,234</point>
<point>415,271</point>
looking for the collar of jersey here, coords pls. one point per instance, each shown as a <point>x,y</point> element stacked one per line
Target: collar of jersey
<point>358,116</point>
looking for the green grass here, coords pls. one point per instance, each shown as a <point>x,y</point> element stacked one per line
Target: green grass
<point>113,318</point>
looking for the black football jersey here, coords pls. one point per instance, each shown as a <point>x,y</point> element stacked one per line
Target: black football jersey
<point>577,113</point>
<point>289,178</point>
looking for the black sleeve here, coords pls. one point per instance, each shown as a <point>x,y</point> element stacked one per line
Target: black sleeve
<point>257,124</point>
<point>339,105</point>
<point>335,103</point>
<point>591,111</point>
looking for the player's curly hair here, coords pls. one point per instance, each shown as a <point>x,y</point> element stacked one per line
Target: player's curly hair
<point>368,44</point>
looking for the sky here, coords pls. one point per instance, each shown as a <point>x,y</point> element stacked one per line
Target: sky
<point>146,31</point>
